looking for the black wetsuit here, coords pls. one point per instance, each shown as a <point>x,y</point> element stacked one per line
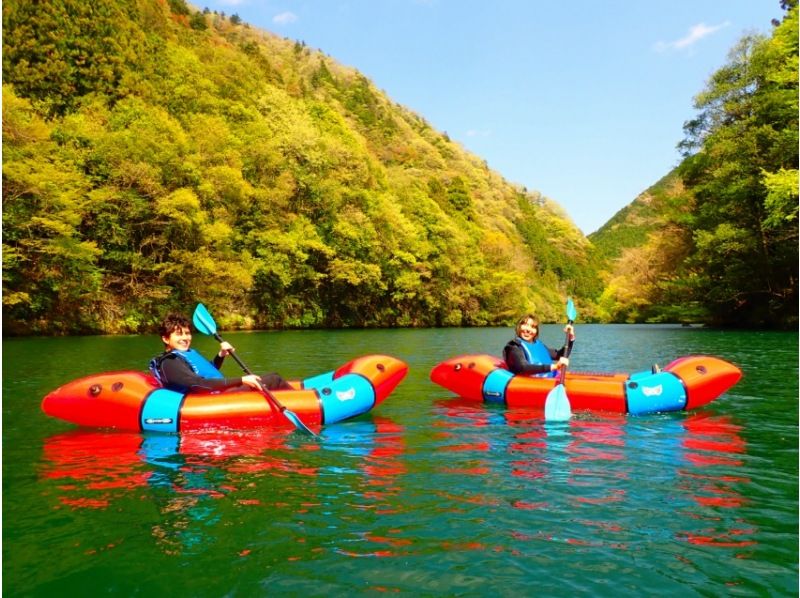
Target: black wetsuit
<point>179,376</point>
<point>518,363</point>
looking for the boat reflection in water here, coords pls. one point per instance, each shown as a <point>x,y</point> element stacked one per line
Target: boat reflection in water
<point>479,479</point>
<point>200,480</point>
<point>603,479</point>
<point>714,451</point>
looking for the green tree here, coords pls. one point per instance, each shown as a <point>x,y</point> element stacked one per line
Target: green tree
<point>741,167</point>
<point>150,162</point>
<point>56,52</point>
<point>50,273</point>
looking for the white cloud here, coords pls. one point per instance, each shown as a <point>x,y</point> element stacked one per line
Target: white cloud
<point>284,18</point>
<point>696,33</point>
<point>477,133</point>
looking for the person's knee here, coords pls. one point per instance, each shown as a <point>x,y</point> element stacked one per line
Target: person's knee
<point>274,382</point>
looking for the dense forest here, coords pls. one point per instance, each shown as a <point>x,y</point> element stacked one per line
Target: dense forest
<point>716,240</point>
<point>155,156</point>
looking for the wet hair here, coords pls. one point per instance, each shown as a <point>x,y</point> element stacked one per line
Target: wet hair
<point>172,323</point>
<point>525,319</point>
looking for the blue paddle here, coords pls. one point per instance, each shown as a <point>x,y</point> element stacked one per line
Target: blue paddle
<point>205,323</point>
<point>556,405</point>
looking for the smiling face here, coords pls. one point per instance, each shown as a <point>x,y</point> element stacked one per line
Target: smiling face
<point>180,339</point>
<point>528,329</point>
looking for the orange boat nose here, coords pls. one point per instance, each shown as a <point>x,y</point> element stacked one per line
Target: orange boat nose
<point>705,377</point>
<point>385,372</point>
<point>97,400</point>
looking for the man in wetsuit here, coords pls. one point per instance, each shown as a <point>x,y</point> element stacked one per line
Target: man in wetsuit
<point>183,369</point>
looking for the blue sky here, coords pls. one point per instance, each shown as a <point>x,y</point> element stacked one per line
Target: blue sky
<point>583,101</point>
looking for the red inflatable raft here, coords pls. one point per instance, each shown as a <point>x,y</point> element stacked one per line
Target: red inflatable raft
<point>686,383</point>
<point>135,401</point>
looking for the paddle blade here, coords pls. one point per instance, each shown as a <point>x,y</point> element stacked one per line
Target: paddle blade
<point>556,405</point>
<point>572,315</point>
<point>203,321</point>
<point>292,417</point>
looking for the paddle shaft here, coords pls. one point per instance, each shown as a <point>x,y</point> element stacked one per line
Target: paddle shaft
<point>270,397</point>
<point>242,365</point>
<point>205,323</point>
<point>567,351</point>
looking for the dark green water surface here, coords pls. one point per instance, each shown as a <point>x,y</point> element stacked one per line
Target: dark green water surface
<point>427,495</point>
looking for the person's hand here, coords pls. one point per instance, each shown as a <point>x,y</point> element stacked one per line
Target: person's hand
<point>225,348</point>
<point>570,329</point>
<point>561,363</point>
<point>253,381</point>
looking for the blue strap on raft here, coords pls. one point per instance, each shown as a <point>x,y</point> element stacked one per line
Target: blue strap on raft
<point>647,392</point>
<point>343,397</point>
<point>494,386</point>
<point>161,411</point>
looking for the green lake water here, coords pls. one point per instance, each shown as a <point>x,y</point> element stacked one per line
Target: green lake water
<point>426,495</point>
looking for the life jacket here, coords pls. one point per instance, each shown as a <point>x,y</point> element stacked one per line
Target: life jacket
<point>199,364</point>
<point>536,352</point>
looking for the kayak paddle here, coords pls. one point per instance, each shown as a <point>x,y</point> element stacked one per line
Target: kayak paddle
<point>205,323</point>
<point>556,405</point>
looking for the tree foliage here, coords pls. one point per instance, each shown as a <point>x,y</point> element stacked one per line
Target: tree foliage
<point>716,241</point>
<point>742,174</point>
<point>155,156</point>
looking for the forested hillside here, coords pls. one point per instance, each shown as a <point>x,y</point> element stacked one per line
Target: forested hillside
<point>155,156</point>
<point>716,241</point>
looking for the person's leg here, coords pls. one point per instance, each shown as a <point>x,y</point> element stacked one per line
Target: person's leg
<point>274,382</point>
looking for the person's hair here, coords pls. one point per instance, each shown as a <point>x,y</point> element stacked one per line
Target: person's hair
<point>525,319</point>
<point>172,323</point>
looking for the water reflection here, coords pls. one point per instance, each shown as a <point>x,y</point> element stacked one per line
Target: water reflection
<point>92,468</point>
<point>202,481</point>
<point>714,452</point>
<point>601,479</point>
<point>494,481</point>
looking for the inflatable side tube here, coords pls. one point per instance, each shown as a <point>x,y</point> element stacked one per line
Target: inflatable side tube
<point>495,384</point>
<point>646,392</point>
<point>161,411</point>
<point>345,397</point>
<point>319,381</point>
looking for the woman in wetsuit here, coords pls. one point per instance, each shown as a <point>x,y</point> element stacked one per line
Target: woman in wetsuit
<point>526,354</point>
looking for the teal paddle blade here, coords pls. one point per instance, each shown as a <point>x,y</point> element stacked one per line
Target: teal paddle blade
<point>203,321</point>
<point>572,315</point>
<point>556,405</point>
<point>292,417</point>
